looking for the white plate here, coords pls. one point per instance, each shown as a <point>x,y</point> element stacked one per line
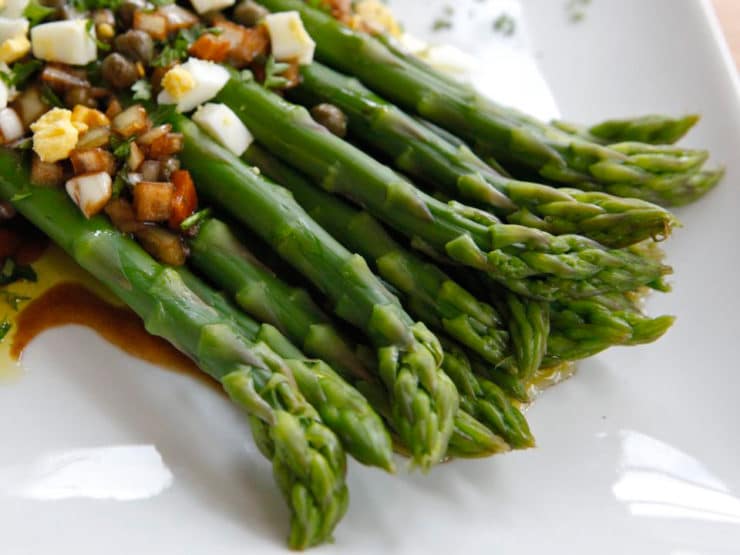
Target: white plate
<point>100,453</point>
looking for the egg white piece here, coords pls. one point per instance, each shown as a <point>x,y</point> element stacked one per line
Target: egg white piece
<point>209,79</point>
<point>289,38</point>
<point>203,6</point>
<point>223,125</point>
<point>69,42</point>
<point>13,8</point>
<point>11,28</point>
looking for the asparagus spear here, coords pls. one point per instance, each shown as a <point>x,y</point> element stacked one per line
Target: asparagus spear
<point>308,460</point>
<point>216,252</point>
<point>526,260</point>
<point>494,131</point>
<point>652,129</point>
<point>424,400</point>
<point>430,294</point>
<point>456,171</point>
<point>339,405</point>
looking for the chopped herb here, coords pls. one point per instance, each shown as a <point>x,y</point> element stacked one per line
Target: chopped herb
<point>195,219</point>
<point>90,29</point>
<point>177,48</point>
<point>142,90</point>
<point>36,13</point>
<point>577,9</point>
<point>89,5</point>
<point>505,25</point>
<point>20,72</point>
<point>162,2</point>
<point>20,196</point>
<point>51,97</point>
<point>119,184</point>
<point>274,74</point>
<point>12,272</point>
<point>13,300</point>
<point>121,147</point>
<point>94,73</point>
<point>5,327</point>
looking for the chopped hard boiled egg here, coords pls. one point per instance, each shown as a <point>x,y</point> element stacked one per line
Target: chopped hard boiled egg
<point>55,135</point>
<point>13,8</point>
<point>178,82</point>
<point>221,123</point>
<point>289,38</point>
<point>11,126</point>
<point>91,192</point>
<point>69,42</point>
<point>204,81</point>
<point>377,16</point>
<point>14,49</point>
<point>11,28</point>
<point>203,6</point>
<point>4,94</point>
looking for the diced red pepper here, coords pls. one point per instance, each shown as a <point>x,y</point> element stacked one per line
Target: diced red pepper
<point>184,199</point>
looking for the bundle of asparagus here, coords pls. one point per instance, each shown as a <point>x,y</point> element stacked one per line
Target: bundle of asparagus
<point>529,247</point>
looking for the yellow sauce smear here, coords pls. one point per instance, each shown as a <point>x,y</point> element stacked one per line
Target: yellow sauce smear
<point>67,295</point>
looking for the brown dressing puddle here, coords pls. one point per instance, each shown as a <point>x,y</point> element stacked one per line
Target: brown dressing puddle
<point>62,303</point>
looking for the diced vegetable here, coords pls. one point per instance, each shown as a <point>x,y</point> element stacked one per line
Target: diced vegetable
<point>209,79</point>
<point>93,160</point>
<point>11,126</point>
<point>69,42</point>
<point>150,170</point>
<point>163,245</point>
<point>30,105</point>
<point>167,145</point>
<point>12,27</point>
<point>153,201</point>
<point>184,198</point>
<point>247,44</point>
<point>90,192</point>
<point>221,123</point>
<point>94,138</point>
<point>121,214</point>
<point>169,166</point>
<point>135,157</point>
<point>131,121</point>
<point>153,24</point>
<point>289,38</point>
<point>203,6</point>
<point>61,78</point>
<point>90,117</point>
<point>46,174</point>
<point>210,47</point>
<point>153,134</point>
<point>177,18</point>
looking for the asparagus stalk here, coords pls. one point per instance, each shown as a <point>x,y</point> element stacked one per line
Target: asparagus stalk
<point>526,260</point>
<point>497,132</point>
<point>430,294</point>
<point>339,405</point>
<point>454,170</point>
<point>216,252</point>
<point>424,400</point>
<point>308,460</point>
<point>653,129</point>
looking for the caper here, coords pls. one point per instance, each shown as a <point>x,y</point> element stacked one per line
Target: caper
<point>120,72</point>
<point>135,45</point>
<point>249,13</point>
<point>330,117</point>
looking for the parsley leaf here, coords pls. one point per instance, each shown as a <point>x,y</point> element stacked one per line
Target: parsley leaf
<point>51,97</point>
<point>11,272</point>
<point>36,13</point>
<point>177,48</point>
<point>20,73</point>
<point>121,148</point>
<point>195,219</point>
<point>5,327</point>
<point>90,30</point>
<point>273,74</point>
<point>142,90</point>
<point>13,300</point>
